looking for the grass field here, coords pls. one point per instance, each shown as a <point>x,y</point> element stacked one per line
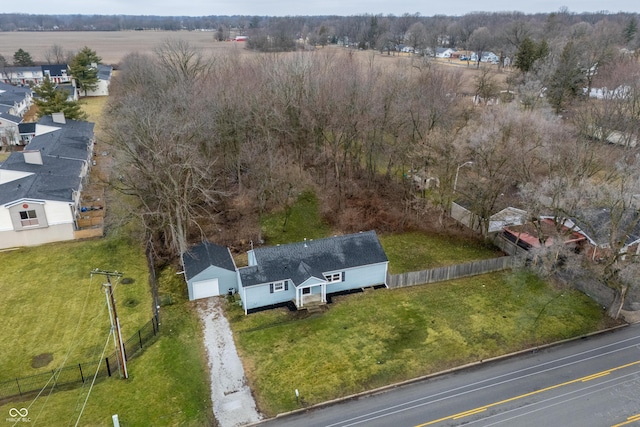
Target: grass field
<point>52,304</point>
<point>380,337</point>
<point>167,383</point>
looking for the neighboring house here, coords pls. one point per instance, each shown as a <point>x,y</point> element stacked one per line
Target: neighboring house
<point>9,129</point>
<point>590,237</point>
<point>508,216</point>
<point>58,73</point>
<point>597,225</point>
<point>40,187</point>
<point>305,273</point>
<point>15,99</point>
<point>442,52</point>
<point>485,57</point>
<point>527,236</point>
<point>209,271</point>
<point>22,75</point>
<point>104,81</point>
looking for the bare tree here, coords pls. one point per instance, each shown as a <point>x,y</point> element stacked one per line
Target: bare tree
<point>55,55</point>
<point>161,134</point>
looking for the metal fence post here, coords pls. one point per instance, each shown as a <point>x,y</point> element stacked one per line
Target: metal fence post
<point>18,384</point>
<point>106,359</point>
<point>81,375</point>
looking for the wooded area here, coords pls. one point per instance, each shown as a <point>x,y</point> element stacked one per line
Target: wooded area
<point>210,144</point>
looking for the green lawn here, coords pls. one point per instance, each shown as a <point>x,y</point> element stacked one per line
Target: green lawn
<point>301,221</point>
<point>52,304</point>
<point>44,292</point>
<point>380,337</point>
<point>418,251</point>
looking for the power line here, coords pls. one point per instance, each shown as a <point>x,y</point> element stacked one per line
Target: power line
<point>104,350</point>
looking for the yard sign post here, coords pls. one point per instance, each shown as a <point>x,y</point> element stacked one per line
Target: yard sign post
<point>115,322</point>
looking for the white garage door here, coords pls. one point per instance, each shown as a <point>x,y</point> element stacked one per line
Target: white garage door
<point>205,288</point>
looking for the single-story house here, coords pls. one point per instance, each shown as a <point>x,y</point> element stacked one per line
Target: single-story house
<point>597,225</point>
<point>40,187</point>
<point>209,271</point>
<point>442,52</point>
<point>527,236</point>
<point>305,273</point>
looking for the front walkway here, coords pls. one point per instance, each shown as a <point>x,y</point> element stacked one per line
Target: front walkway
<point>233,404</point>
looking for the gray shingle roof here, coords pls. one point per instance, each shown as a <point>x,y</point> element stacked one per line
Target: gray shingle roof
<point>204,255</point>
<point>64,155</point>
<point>597,224</point>
<point>312,258</point>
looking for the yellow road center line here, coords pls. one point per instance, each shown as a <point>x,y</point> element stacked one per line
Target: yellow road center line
<point>630,420</point>
<point>593,377</point>
<point>542,390</point>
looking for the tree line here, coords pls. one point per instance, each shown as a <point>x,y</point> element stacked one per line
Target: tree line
<point>208,145</point>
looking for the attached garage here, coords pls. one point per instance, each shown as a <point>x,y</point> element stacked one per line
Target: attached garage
<point>205,288</point>
<point>209,271</point>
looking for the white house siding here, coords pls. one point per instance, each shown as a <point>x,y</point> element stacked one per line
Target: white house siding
<point>101,90</point>
<point>58,213</point>
<point>5,221</point>
<point>39,236</point>
<point>60,226</point>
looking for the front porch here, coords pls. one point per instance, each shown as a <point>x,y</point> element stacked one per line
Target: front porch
<point>311,295</point>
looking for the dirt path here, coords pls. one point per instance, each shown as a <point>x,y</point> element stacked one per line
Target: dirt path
<point>233,404</point>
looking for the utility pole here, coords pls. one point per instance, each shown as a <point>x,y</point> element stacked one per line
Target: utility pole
<point>115,322</point>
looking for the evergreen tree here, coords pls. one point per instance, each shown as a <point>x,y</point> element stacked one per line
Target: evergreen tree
<point>630,30</point>
<point>526,55</point>
<point>50,99</point>
<point>84,69</point>
<point>567,81</point>
<point>529,52</point>
<point>22,58</point>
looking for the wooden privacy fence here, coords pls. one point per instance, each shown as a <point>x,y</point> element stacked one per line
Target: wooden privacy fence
<point>451,272</point>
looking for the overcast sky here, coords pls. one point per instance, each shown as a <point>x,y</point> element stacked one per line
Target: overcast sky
<point>302,7</point>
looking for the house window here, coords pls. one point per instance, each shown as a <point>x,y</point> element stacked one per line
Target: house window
<point>334,277</point>
<point>306,291</point>
<point>279,286</point>
<point>28,218</point>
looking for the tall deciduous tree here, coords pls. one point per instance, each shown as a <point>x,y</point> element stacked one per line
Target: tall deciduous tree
<point>162,132</point>
<point>49,99</point>
<point>84,69</point>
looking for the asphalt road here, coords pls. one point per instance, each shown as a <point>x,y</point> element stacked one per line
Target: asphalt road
<point>593,381</point>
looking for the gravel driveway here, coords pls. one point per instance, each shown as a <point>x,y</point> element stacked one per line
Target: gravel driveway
<point>233,404</point>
